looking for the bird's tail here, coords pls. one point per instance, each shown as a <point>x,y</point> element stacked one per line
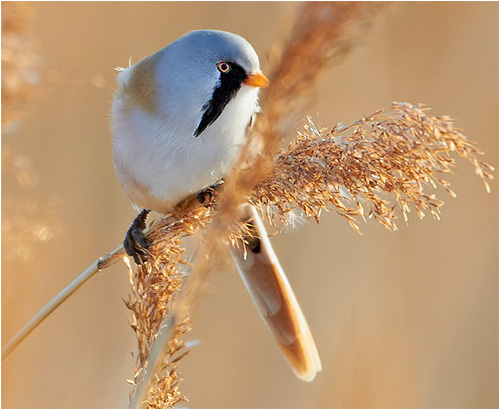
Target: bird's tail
<point>275,301</point>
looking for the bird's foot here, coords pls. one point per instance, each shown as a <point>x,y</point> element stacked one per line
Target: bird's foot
<point>135,242</point>
<point>207,196</point>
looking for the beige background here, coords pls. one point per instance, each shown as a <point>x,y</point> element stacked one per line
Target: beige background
<point>406,319</point>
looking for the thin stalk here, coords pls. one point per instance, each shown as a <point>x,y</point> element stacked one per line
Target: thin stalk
<point>76,284</point>
<point>166,333</point>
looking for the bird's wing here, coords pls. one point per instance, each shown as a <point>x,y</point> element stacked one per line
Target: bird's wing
<point>275,301</point>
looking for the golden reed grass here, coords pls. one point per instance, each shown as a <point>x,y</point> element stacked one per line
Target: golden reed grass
<point>325,29</point>
<point>377,168</point>
<point>368,170</point>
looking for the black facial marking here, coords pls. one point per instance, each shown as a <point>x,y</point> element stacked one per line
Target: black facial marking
<point>230,83</point>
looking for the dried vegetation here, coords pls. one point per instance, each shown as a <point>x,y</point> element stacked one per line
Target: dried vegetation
<point>370,169</point>
<point>379,168</point>
<point>384,163</point>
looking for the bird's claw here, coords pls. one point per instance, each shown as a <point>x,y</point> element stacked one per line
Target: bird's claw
<point>207,196</point>
<point>135,242</point>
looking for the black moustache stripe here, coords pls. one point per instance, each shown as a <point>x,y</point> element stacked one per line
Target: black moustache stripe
<point>229,85</point>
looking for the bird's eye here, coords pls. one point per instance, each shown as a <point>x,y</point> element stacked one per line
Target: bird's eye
<point>224,67</point>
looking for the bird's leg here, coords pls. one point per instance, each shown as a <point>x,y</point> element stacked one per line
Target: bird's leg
<point>135,242</point>
<point>207,196</point>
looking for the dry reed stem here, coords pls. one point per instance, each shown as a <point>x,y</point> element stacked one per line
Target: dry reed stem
<point>62,296</point>
<point>155,284</point>
<point>398,152</point>
<point>164,392</point>
<point>323,34</point>
<point>327,26</point>
<point>324,26</point>
<point>385,161</point>
<point>352,169</point>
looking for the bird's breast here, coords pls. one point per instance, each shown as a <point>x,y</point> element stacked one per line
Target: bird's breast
<point>158,159</point>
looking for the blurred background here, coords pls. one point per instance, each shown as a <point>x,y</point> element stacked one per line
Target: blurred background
<point>404,319</point>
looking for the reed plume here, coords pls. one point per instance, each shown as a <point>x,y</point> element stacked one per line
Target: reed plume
<point>368,170</point>
<point>377,168</point>
<point>324,33</point>
<point>385,162</point>
<point>155,284</point>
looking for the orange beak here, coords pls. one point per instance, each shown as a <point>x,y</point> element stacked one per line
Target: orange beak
<point>258,80</point>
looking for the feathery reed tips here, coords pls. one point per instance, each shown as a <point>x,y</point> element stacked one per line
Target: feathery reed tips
<point>370,169</point>
<point>383,163</point>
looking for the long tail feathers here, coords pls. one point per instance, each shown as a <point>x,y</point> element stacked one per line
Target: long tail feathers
<point>275,301</point>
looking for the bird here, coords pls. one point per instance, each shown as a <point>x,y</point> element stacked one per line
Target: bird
<point>179,118</point>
